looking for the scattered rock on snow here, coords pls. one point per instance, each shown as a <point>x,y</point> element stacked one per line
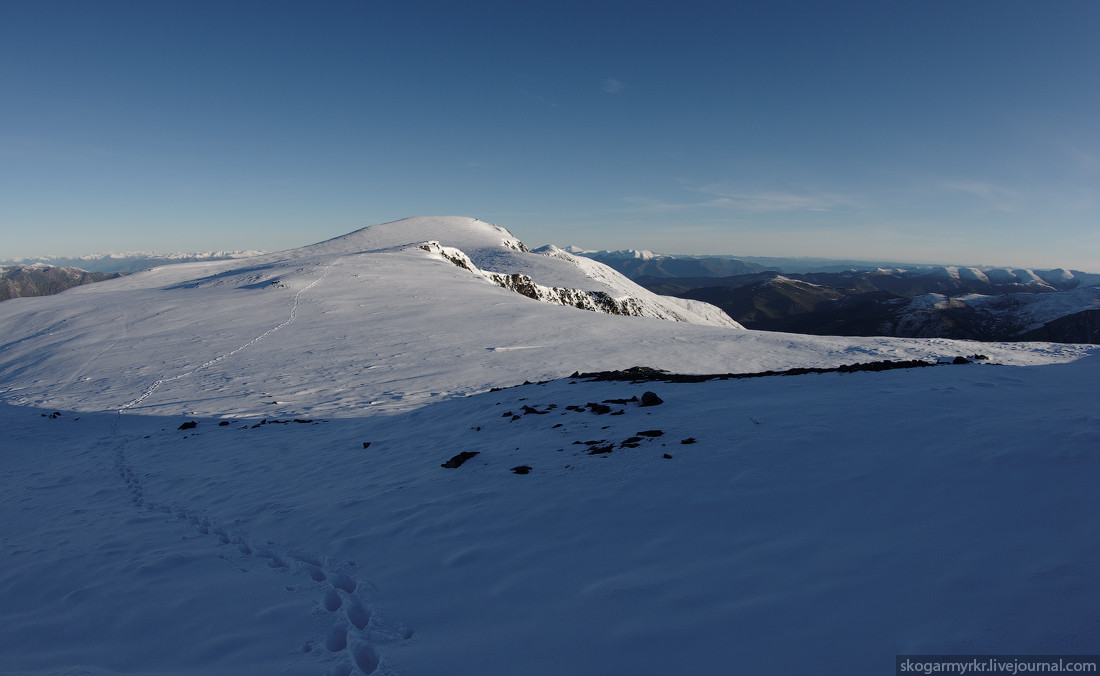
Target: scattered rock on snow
<point>651,399</point>
<point>620,401</point>
<point>190,425</point>
<point>457,460</point>
<point>522,469</point>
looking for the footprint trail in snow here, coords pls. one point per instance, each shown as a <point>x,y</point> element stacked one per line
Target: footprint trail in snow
<point>349,628</point>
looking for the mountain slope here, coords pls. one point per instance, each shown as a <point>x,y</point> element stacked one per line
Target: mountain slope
<point>361,322</point>
<point>17,281</point>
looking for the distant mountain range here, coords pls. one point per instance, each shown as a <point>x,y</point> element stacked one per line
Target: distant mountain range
<point>874,298</point>
<point>640,262</point>
<point>933,302</point>
<point>129,261</point>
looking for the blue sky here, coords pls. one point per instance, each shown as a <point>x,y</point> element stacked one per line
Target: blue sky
<point>957,132</point>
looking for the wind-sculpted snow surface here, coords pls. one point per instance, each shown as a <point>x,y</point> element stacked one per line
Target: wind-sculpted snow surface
<point>768,525</point>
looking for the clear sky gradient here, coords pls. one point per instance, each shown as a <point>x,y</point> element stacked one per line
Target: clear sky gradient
<point>953,132</point>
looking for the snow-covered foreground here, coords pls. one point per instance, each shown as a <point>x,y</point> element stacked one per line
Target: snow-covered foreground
<point>819,521</point>
<point>304,524</point>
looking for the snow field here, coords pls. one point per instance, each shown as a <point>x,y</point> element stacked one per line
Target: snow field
<point>303,524</point>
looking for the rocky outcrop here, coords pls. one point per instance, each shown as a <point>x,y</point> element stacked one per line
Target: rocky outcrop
<point>592,300</point>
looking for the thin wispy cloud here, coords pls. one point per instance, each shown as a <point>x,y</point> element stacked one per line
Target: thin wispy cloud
<point>996,196</point>
<point>641,203</point>
<point>613,86</point>
<point>774,200</point>
<point>749,202</point>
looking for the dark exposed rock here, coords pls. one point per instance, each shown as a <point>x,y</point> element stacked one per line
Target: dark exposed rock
<point>598,409</point>
<point>366,444</point>
<point>600,450</point>
<point>960,360</point>
<point>190,425</point>
<point>522,469</point>
<point>644,374</point>
<point>619,412</point>
<point>651,433</point>
<point>620,401</point>
<point>651,399</point>
<point>531,410</point>
<point>457,460</point>
<point>689,440</point>
<point>224,423</point>
<point>666,456</point>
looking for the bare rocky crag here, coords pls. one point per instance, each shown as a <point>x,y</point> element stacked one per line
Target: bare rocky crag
<point>596,301</point>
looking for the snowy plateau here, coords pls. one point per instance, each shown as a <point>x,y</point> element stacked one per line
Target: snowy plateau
<point>255,466</point>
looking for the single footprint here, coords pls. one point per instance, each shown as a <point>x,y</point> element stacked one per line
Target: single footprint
<point>337,638</point>
<point>332,601</point>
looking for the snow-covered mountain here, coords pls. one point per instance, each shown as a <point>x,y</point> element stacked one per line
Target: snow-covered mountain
<point>325,460</point>
<point>394,299</point>
<point>39,279</point>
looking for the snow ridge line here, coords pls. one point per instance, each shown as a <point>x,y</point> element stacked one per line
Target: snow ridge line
<point>352,627</point>
<point>290,320</point>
